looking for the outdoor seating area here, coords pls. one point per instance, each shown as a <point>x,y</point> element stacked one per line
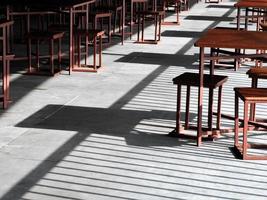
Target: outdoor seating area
<point>133,99</point>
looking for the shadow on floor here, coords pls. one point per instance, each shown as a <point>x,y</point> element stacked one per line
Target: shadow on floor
<point>165,59</point>
<point>209,18</point>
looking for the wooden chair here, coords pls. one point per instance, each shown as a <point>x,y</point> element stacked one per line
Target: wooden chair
<point>192,80</point>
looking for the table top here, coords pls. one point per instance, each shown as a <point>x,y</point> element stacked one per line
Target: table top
<point>40,3</point>
<point>232,38</point>
<point>251,4</point>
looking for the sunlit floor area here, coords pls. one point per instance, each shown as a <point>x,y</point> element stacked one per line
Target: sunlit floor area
<point>103,136</point>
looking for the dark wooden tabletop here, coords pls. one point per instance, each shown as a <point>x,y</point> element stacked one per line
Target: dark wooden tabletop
<point>235,39</point>
<point>46,3</point>
<point>251,4</point>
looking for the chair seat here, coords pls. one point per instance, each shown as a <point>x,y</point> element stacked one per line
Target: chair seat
<point>257,72</point>
<point>192,79</point>
<point>45,35</point>
<point>252,94</point>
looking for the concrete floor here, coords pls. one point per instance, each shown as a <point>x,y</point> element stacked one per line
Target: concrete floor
<point>97,136</point>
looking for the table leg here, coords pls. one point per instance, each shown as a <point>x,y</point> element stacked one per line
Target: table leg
<point>123,21</point>
<point>71,52</point>
<point>200,96</point>
<point>212,63</point>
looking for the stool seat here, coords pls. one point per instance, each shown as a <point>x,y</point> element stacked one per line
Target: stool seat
<point>192,79</point>
<point>252,94</point>
<point>44,35</point>
<point>89,33</point>
<point>150,12</point>
<point>257,72</point>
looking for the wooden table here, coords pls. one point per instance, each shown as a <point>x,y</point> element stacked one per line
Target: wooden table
<point>5,58</point>
<point>249,5</point>
<point>53,5</point>
<point>230,39</point>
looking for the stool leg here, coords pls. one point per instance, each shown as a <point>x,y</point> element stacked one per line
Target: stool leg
<point>59,54</point>
<point>160,19</point>
<point>252,117</point>
<point>156,27</point>
<point>94,56</point>
<point>219,108</point>
<point>37,55</point>
<point>177,12</point>
<point>79,51</point>
<point>7,81</point>
<point>29,50</point>
<point>245,142</point>
<point>210,108</point>
<point>236,120</point>
<point>100,51</point>
<point>131,21</point>
<point>143,26</point>
<point>178,109</point>
<point>109,29</point>
<point>187,107</point>
<point>52,56</point>
<point>138,26</point>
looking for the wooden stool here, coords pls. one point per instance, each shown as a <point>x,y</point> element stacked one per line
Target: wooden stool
<point>142,15</point>
<point>136,6</point>
<point>94,36</point>
<point>248,96</point>
<point>44,36</point>
<point>176,4</point>
<point>100,15</point>
<point>192,79</point>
